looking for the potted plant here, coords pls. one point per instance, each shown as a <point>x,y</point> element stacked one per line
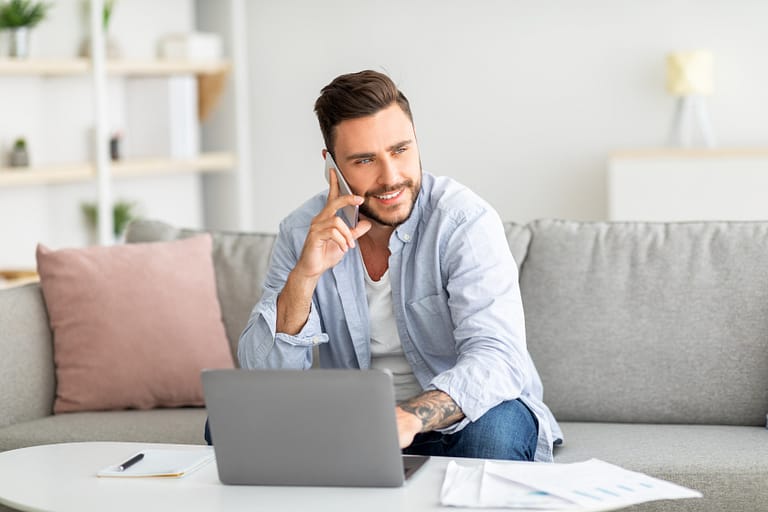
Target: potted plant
<point>19,153</point>
<point>112,49</point>
<point>20,16</point>
<point>123,212</point>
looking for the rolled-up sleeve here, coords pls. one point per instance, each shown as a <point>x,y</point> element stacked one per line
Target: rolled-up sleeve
<point>260,346</point>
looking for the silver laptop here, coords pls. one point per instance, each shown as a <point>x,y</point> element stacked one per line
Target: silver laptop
<point>313,427</point>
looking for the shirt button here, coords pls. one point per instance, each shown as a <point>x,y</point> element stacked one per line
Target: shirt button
<point>406,237</point>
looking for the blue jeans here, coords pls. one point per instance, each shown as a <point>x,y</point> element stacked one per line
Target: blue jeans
<point>508,431</point>
<point>207,434</point>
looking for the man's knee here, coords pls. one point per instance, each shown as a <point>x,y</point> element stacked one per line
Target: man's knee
<point>508,431</point>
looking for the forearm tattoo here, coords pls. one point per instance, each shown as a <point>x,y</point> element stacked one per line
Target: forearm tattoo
<point>434,408</point>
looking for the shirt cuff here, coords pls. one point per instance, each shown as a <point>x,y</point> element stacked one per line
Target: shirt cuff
<point>452,429</point>
<point>309,335</point>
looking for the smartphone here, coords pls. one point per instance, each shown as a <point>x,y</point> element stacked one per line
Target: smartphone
<point>348,213</point>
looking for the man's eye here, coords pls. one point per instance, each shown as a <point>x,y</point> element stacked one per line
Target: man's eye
<point>401,149</point>
<point>363,161</point>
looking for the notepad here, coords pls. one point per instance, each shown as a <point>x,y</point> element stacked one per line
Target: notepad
<point>162,463</point>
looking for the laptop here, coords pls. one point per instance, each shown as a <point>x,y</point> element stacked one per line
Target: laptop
<point>306,427</point>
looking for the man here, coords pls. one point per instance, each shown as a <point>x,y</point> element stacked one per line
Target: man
<point>424,285</point>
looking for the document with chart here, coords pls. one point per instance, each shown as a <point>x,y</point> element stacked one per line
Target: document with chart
<point>591,485</point>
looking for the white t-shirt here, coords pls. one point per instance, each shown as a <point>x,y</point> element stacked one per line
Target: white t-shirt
<point>386,348</point>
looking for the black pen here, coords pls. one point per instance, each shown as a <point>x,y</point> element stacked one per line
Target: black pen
<point>130,462</point>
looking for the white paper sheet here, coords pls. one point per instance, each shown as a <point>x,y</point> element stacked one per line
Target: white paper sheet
<point>591,485</point>
<point>169,463</point>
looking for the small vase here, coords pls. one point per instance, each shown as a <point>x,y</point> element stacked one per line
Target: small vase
<point>19,157</point>
<point>19,43</point>
<point>111,48</point>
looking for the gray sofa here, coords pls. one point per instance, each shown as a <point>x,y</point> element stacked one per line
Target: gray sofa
<point>651,340</point>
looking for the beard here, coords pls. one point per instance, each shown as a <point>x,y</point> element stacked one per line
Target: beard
<point>366,210</point>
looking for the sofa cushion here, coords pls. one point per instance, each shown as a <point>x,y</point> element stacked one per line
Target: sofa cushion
<point>133,324</point>
<point>650,322</point>
<point>182,425</point>
<point>240,261</point>
<point>727,464</point>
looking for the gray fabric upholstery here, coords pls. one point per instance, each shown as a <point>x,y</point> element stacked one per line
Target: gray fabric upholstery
<point>518,238</point>
<point>727,464</point>
<point>240,261</point>
<point>650,322</point>
<point>156,426</point>
<point>27,379</point>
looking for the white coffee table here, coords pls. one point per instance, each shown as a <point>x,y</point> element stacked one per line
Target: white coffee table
<point>62,477</point>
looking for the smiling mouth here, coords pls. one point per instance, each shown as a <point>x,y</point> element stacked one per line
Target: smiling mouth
<point>389,196</point>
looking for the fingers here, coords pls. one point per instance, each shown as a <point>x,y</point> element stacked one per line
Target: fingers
<point>333,185</point>
<point>363,226</point>
<point>335,230</point>
<point>336,199</point>
<point>336,204</point>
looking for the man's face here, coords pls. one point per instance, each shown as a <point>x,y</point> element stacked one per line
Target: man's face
<point>379,158</point>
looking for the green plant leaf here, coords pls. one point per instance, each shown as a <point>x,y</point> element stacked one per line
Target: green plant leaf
<point>123,212</point>
<point>22,13</point>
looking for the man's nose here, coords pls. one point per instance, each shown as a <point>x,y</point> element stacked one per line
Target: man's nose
<point>388,174</point>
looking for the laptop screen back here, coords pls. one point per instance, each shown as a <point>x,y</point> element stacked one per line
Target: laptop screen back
<point>313,427</point>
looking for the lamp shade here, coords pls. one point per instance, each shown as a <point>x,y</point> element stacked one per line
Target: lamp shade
<point>690,72</point>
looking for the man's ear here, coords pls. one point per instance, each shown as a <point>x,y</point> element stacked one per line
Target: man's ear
<point>324,152</point>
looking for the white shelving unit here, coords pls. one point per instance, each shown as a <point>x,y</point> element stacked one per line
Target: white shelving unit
<point>41,203</point>
<point>688,185</point>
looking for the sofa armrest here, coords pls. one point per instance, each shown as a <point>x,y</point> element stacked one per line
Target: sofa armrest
<point>27,374</point>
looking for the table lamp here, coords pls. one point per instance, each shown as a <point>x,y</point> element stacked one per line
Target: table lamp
<point>690,78</point>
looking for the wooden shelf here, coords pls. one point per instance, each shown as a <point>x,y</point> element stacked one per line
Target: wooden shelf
<point>82,66</point>
<point>17,277</point>
<point>166,67</point>
<point>130,168</point>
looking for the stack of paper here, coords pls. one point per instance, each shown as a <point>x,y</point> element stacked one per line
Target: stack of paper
<point>591,485</point>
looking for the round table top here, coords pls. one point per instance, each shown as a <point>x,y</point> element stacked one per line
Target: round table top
<point>62,477</point>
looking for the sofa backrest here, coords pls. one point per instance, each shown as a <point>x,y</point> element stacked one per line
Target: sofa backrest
<point>240,262</point>
<point>27,381</point>
<point>626,322</point>
<point>518,238</point>
<point>650,322</point>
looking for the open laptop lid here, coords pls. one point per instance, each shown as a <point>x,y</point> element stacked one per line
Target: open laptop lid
<point>310,427</point>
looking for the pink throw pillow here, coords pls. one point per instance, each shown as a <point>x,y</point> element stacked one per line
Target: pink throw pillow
<point>133,324</point>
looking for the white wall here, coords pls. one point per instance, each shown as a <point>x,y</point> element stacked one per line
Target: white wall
<point>522,100</point>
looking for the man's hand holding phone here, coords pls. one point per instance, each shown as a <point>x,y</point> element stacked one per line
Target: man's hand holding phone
<point>329,237</point>
<point>328,240</point>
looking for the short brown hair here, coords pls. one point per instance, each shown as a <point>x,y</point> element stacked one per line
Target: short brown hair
<point>356,95</point>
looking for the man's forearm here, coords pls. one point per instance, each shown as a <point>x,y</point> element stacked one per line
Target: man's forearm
<point>294,303</point>
<point>435,408</point>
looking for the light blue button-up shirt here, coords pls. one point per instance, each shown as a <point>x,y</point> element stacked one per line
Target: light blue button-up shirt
<point>456,302</point>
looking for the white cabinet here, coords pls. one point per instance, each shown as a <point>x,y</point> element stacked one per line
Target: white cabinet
<point>688,185</point>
